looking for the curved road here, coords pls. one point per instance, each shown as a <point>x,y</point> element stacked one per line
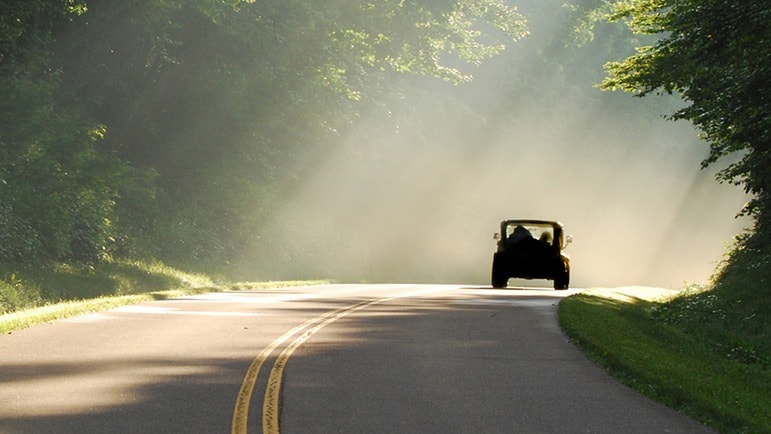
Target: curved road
<point>337,358</point>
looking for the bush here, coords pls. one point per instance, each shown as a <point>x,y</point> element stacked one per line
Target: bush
<point>16,295</point>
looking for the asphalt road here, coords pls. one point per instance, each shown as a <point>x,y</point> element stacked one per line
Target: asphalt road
<point>329,359</point>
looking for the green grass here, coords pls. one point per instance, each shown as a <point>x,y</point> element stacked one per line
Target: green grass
<point>29,317</point>
<point>703,351</point>
<point>32,295</point>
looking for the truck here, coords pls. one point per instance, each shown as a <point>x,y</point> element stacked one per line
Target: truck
<point>531,249</point>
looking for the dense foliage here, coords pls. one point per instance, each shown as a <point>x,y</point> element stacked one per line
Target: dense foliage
<point>157,127</point>
<point>714,54</point>
<point>58,186</point>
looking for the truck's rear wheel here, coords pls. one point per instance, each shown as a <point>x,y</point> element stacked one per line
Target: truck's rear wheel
<point>562,281</point>
<point>499,278</point>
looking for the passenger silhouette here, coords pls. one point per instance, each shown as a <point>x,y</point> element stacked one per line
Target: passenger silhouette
<point>520,233</point>
<point>546,238</point>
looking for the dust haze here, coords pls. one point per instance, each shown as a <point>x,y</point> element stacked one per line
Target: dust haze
<point>414,192</point>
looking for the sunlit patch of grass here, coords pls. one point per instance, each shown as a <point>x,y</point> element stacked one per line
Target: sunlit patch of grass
<point>32,295</point>
<point>29,317</point>
<point>244,286</point>
<point>66,282</point>
<point>623,330</point>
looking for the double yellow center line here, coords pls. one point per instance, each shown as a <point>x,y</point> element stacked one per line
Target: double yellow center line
<point>301,333</point>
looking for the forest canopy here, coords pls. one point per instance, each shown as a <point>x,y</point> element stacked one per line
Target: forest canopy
<point>714,54</point>
<point>108,109</point>
<point>176,129</point>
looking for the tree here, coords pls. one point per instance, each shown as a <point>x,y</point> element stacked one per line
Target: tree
<point>230,101</point>
<point>57,185</point>
<point>714,54</point>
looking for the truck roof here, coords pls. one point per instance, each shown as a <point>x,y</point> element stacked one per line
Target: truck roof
<point>531,222</point>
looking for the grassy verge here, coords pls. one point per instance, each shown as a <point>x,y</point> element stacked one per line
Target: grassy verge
<point>704,351</point>
<point>34,295</point>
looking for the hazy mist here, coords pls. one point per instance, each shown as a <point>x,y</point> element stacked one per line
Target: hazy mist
<point>416,191</point>
<point>428,212</point>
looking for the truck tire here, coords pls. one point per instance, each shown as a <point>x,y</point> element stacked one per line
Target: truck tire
<point>499,278</point>
<point>562,281</point>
